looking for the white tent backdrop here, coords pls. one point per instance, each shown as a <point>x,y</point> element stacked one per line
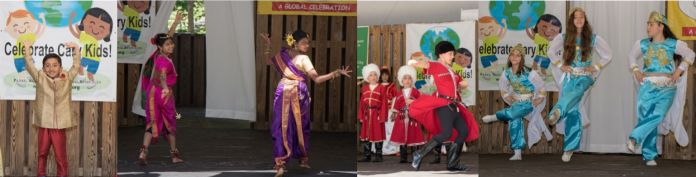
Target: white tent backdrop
<point>403,12</point>
<point>230,89</point>
<point>612,101</point>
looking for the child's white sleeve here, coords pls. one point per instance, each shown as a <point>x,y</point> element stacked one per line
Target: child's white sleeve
<point>539,86</point>
<point>634,55</point>
<point>555,51</point>
<point>604,51</point>
<point>505,89</point>
<point>686,53</point>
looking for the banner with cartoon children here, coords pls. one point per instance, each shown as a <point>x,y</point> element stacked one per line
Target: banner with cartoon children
<point>503,24</point>
<point>420,45</point>
<point>49,24</point>
<point>138,21</point>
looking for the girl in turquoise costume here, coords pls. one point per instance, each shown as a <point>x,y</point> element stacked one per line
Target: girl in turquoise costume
<point>524,91</point>
<point>664,59</point>
<point>575,72</point>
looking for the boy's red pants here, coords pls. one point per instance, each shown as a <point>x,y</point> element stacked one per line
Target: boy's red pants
<point>55,137</point>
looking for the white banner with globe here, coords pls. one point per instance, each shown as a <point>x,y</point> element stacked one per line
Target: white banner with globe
<point>138,22</point>
<point>420,45</point>
<point>49,24</point>
<point>504,24</point>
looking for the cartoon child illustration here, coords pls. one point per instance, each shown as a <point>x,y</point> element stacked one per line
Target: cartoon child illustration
<point>23,27</point>
<point>462,66</point>
<point>490,32</point>
<point>423,83</point>
<point>95,26</point>
<point>132,10</point>
<point>546,28</point>
<point>462,59</point>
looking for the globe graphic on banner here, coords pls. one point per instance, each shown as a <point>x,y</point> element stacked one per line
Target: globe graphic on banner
<point>516,13</point>
<point>58,12</point>
<point>433,36</point>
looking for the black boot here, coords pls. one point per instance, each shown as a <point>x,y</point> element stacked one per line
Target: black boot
<point>378,152</point>
<point>437,151</point>
<point>367,151</point>
<point>453,158</point>
<point>420,154</point>
<point>403,153</point>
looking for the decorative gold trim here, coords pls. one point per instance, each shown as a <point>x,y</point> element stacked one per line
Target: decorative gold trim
<point>153,118</point>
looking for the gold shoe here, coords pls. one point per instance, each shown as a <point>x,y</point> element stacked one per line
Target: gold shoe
<point>553,119</point>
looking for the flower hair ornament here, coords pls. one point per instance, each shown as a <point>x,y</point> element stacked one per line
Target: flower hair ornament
<point>153,41</point>
<point>289,39</point>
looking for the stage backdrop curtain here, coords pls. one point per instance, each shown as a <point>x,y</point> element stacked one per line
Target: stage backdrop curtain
<point>613,97</point>
<point>230,89</point>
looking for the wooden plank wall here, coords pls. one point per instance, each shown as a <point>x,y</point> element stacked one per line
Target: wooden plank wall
<point>333,44</point>
<point>92,144</point>
<point>387,43</point>
<point>189,91</point>
<point>670,148</point>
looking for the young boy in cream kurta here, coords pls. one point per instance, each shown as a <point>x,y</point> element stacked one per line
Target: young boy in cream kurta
<point>52,103</point>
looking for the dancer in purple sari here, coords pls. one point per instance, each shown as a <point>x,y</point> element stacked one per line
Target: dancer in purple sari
<point>290,126</point>
<point>158,79</point>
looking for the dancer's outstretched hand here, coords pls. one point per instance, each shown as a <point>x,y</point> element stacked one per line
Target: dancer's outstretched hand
<point>266,38</point>
<point>345,71</point>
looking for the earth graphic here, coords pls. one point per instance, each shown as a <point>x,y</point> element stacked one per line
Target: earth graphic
<point>58,12</point>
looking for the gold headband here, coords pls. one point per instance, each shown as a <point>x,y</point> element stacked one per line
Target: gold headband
<point>575,9</point>
<point>657,17</point>
<point>518,48</point>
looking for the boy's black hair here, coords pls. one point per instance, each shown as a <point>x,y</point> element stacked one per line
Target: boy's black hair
<point>102,15</point>
<point>54,56</point>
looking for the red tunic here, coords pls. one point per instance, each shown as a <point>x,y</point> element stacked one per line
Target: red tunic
<point>423,109</point>
<point>406,131</point>
<point>391,92</point>
<point>372,113</point>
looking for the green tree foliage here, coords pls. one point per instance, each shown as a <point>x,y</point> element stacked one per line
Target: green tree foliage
<point>198,16</point>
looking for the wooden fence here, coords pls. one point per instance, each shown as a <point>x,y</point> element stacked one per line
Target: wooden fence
<point>333,44</point>
<point>387,43</point>
<point>91,144</point>
<point>189,91</point>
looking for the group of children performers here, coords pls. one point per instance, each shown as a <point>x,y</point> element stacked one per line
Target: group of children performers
<point>657,63</point>
<point>659,77</point>
<point>442,115</point>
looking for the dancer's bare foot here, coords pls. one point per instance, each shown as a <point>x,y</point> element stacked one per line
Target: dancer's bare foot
<point>280,171</point>
<point>175,156</point>
<point>142,158</point>
<point>304,163</point>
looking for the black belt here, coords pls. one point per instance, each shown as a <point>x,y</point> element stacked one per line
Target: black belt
<point>453,102</point>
